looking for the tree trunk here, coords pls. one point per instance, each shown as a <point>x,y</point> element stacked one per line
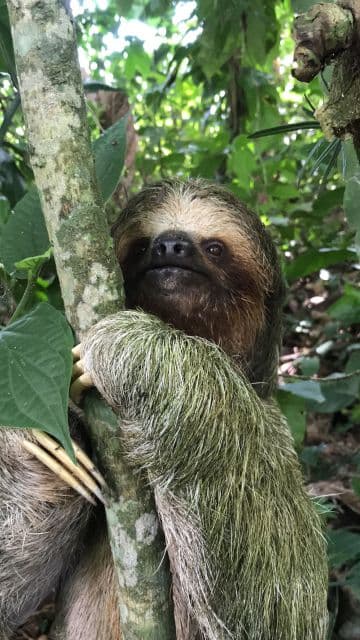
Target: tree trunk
<point>59,145</point>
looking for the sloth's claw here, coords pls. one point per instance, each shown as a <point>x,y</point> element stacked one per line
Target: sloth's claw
<point>80,384</point>
<point>81,378</point>
<point>76,351</point>
<point>80,477</point>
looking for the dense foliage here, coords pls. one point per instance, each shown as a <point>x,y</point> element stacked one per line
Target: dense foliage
<point>204,80</point>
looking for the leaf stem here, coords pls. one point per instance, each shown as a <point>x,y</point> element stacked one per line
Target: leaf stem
<point>32,277</point>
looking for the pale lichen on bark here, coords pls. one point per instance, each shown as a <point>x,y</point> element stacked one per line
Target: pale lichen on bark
<point>54,110</point>
<point>137,539</point>
<point>59,144</point>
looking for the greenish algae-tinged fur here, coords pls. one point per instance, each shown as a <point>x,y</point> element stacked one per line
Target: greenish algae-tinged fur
<point>252,565</point>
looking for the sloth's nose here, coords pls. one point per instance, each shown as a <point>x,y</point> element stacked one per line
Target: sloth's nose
<point>171,246</point>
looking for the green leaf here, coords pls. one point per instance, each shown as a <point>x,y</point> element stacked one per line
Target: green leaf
<point>307,389</point>
<point>93,87</point>
<point>344,546</point>
<point>353,363</point>
<point>347,308</point>
<point>35,373</point>
<point>338,390</point>
<point>351,206</point>
<point>328,200</point>
<point>355,482</point>
<point>293,408</point>
<point>7,58</point>
<point>4,210</point>
<point>285,128</point>
<point>242,161</point>
<point>109,152</point>
<point>25,233</point>
<point>137,61</point>
<point>316,259</point>
<point>353,580</point>
<point>309,366</point>
<point>350,163</point>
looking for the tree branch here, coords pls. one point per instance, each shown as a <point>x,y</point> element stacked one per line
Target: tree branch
<point>59,144</point>
<point>330,33</point>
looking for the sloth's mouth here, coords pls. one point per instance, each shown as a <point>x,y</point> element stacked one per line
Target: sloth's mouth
<point>174,272</point>
<point>171,268</point>
<point>171,277</point>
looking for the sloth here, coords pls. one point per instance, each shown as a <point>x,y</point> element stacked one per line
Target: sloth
<point>189,367</point>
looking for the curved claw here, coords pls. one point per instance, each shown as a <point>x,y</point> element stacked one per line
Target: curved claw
<point>82,477</point>
<point>76,351</point>
<point>81,379</point>
<point>80,384</point>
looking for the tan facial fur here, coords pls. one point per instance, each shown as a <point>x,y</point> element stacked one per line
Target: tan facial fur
<point>244,314</point>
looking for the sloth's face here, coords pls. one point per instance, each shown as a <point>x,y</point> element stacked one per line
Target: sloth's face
<point>174,270</point>
<point>190,262</point>
<point>199,259</point>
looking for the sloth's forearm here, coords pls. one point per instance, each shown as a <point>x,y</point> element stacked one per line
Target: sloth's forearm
<point>226,458</point>
<point>188,407</point>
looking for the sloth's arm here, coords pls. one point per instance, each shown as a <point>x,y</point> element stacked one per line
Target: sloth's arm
<point>192,420</point>
<point>185,406</point>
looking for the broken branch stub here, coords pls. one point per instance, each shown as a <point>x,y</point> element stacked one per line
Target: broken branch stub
<point>326,34</point>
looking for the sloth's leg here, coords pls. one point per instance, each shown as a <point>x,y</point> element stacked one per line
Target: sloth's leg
<point>88,608</point>
<point>42,523</point>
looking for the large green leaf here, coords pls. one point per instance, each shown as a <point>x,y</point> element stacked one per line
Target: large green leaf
<point>25,232</point>
<point>109,151</point>
<point>316,259</point>
<point>35,372</point>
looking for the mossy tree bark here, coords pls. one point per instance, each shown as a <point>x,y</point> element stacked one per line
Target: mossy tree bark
<point>327,33</point>
<point>59,144</point>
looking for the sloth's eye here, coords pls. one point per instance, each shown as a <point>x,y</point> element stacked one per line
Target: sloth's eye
<point>215,249</point>
<point>140,247</point>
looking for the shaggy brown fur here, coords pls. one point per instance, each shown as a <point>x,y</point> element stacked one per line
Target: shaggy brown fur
<point>243,538</point>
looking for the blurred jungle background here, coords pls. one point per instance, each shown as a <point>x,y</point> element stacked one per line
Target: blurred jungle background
<point>204,88</point>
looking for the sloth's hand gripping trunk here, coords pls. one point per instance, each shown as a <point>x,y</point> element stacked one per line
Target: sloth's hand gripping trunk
<point>247,548</point>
